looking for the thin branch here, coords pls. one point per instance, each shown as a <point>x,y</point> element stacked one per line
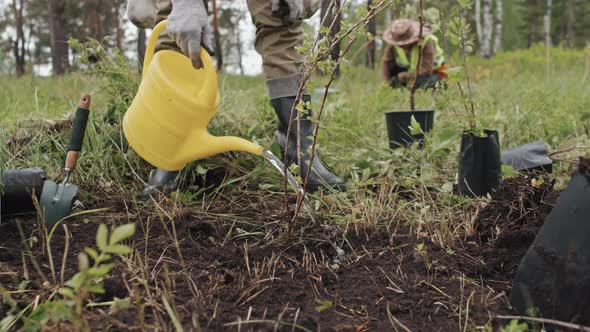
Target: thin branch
<point>417,73</point>
<point>310,68</point>
<point>547,321</point>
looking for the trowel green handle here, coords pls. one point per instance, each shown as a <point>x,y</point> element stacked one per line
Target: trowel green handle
<point>78,132</point>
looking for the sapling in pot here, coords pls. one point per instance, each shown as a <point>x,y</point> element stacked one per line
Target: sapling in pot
<point>400,123</point>
<point>480,169</point>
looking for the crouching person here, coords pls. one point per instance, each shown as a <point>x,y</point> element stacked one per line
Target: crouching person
<point>400,59</point>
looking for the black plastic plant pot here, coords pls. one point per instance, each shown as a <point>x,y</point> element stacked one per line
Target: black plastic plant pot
<point>554,276</point>
<point>480,167</point>
<point>18,187</point>
<point>398,127</point>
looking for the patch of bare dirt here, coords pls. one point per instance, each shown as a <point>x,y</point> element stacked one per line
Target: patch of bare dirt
<point>509,224</point>
<point>241,269</point>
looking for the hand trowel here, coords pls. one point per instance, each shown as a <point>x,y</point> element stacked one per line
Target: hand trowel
<point>57,199</point>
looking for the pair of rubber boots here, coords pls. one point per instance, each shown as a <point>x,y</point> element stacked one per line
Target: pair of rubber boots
<point>319,176</point>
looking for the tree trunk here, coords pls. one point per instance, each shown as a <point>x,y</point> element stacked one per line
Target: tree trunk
<point>57,34</point>
<point>531,21</point>
<point>141,47</point>
<point>388,15</point>
<point>372,29</point>
<point>18,46</point>
<point>499,24</point>
<point>478,22</point>
<point>217,36</point>
<point>547,23</point>
<point>118,30</point>
<point>486,45</point>
<point>328,20</point>
<point>571,20</point>
<point>239,47</point>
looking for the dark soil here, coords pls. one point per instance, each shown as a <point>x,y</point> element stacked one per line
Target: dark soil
<point>224,270</point>
<point>509,224</point>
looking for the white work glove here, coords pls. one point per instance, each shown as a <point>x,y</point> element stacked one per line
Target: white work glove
<point>311,7</point>
<point>289,11</point>
<point>142,13</point>
<point>189,26</point>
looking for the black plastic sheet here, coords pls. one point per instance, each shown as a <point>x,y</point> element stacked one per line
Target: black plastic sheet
<point>17,190</point>
<point>554,276</point>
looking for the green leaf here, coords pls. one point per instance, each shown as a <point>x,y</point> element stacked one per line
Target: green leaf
<point>47,313</point>
<point>103,258</point>
<point>92,253</point>
<point>101,237</point>
<point>96,289</point>
<point>515,327</point>
<point>447,187</point>
<point>275,148</point>
<point>415,128</point>
<point>118,249</point>
<point>121,233</point>
<point>119,304</point>
<point>323,305</point>
<point>101,271</point>
<point>366,174</point>
<point>82,261</point>
<point>508,171</point>
<point>67,292</point>
<point>76,281</point>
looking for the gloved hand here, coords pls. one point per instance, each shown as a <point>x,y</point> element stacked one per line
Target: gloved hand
<point>189,26</point>
<point>290,11</point>
<point>311,7</point>
<point>142,13</point>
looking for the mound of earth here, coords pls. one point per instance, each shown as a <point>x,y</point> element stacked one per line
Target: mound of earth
<point>508,225</point>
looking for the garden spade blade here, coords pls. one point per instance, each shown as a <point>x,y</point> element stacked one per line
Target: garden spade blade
<point>57,199</point>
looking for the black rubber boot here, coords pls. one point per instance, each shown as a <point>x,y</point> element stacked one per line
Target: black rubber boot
<point>320,175</point>
<point>162,181</point>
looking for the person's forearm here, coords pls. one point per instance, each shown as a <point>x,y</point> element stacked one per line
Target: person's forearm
<point>412,74</point>
<point>387,61</point>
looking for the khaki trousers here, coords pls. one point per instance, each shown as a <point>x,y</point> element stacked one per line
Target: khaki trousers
<point>275,41</point>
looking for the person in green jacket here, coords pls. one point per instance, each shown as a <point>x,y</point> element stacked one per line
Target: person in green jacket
<point>400,59</point>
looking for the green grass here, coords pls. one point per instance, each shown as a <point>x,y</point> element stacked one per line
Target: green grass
<point>513,93</point>
<point>40,98</point>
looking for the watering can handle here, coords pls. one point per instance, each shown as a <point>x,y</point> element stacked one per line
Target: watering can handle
<point>78,132</point>
<point>150,49</point>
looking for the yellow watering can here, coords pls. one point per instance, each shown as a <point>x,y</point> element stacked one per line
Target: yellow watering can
<point>167,121</point>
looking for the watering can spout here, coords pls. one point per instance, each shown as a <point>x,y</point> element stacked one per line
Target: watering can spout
<point>203,145</point>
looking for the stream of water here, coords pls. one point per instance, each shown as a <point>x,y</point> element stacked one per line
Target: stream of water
<point>278,164</point>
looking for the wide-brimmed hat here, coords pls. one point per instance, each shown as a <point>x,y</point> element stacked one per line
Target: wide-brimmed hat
<point>404,32</point>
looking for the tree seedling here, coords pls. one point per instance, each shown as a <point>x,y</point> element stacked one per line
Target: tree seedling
<point>459,34</point>
<point>87,281</point>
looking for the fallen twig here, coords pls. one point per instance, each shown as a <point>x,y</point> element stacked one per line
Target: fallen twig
<point>547,321</point>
